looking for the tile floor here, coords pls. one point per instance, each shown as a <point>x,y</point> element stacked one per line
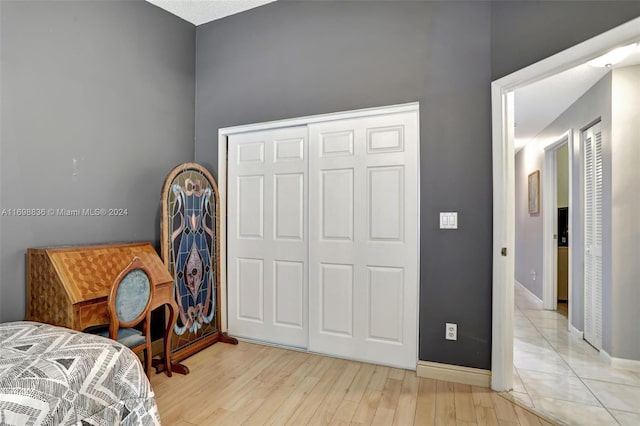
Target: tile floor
<point>563,376</point>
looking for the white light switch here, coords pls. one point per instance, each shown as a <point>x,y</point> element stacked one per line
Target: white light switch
<point>448,220</point>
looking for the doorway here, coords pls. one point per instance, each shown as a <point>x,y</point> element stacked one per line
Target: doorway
<point>557,195</point>
<point>503,184</point>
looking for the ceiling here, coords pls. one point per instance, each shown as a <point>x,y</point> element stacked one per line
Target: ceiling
<point>200,12</point>
<point>539,104</point>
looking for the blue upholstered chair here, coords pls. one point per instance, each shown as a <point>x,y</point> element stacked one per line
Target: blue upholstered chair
<point>129,304</point>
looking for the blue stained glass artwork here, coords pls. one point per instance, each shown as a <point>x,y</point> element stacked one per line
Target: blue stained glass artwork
<point>193,259</point>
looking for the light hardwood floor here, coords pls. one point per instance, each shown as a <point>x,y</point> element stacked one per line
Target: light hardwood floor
<point>256,385</point>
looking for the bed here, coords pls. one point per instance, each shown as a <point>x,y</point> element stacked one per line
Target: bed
<point>51,375</point>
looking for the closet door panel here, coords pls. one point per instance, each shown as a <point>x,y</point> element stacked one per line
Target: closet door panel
<point>266,236</point>
<point>363,241</point>
<point>593,197</point>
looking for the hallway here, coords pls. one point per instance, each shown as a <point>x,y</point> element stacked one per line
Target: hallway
<point>562,375</point>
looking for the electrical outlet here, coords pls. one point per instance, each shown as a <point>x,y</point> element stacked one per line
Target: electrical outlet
<point>451,331</point>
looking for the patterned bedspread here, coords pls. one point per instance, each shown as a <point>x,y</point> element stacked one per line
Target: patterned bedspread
<point>55,376</point>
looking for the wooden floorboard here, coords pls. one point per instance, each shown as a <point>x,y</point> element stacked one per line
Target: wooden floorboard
<point>406,409</point>
<point>261,385</point>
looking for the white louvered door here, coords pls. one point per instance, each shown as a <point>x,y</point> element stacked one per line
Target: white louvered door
<point>266,238</point>
<point>593,229</point>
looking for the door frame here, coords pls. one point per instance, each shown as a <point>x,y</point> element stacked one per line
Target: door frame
<point>550,221</point>
<point>504,183</point>
<point>223,135</point>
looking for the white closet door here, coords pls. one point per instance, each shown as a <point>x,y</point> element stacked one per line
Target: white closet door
<point>593,235</point>
<point>363,238</point>
<point>266,236</point>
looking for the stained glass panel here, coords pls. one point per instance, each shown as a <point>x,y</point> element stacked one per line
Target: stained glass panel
<point>192,255</point>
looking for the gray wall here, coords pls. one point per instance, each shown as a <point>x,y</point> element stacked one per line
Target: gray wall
<point>524,32</point>
<point>528,241</point>
<point>291,59</point>
<point>623,340</point>
<point>109,84</point>
<point>594,104</point>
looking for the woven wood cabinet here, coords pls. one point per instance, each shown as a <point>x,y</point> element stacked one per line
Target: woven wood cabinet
<point>68,286</point>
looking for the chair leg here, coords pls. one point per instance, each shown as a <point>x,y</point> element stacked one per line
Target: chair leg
<point>147,360</point>
<point>148,353</point>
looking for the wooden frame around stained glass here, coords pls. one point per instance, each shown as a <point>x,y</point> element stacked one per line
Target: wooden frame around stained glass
<point>190,248</point>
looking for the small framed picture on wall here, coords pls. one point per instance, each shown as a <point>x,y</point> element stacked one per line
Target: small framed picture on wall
<point>534,192</point>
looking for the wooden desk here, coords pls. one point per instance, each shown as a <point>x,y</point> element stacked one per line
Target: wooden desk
<point>69,286</point>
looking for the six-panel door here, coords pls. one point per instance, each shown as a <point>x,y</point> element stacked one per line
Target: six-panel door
<point>363,239</point>
<point>266,237</point>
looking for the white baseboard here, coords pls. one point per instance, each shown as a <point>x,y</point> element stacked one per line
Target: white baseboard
<point>623,363</point>
<point>527,290</point>
<point>454,373</point>
<point>575,332</point>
